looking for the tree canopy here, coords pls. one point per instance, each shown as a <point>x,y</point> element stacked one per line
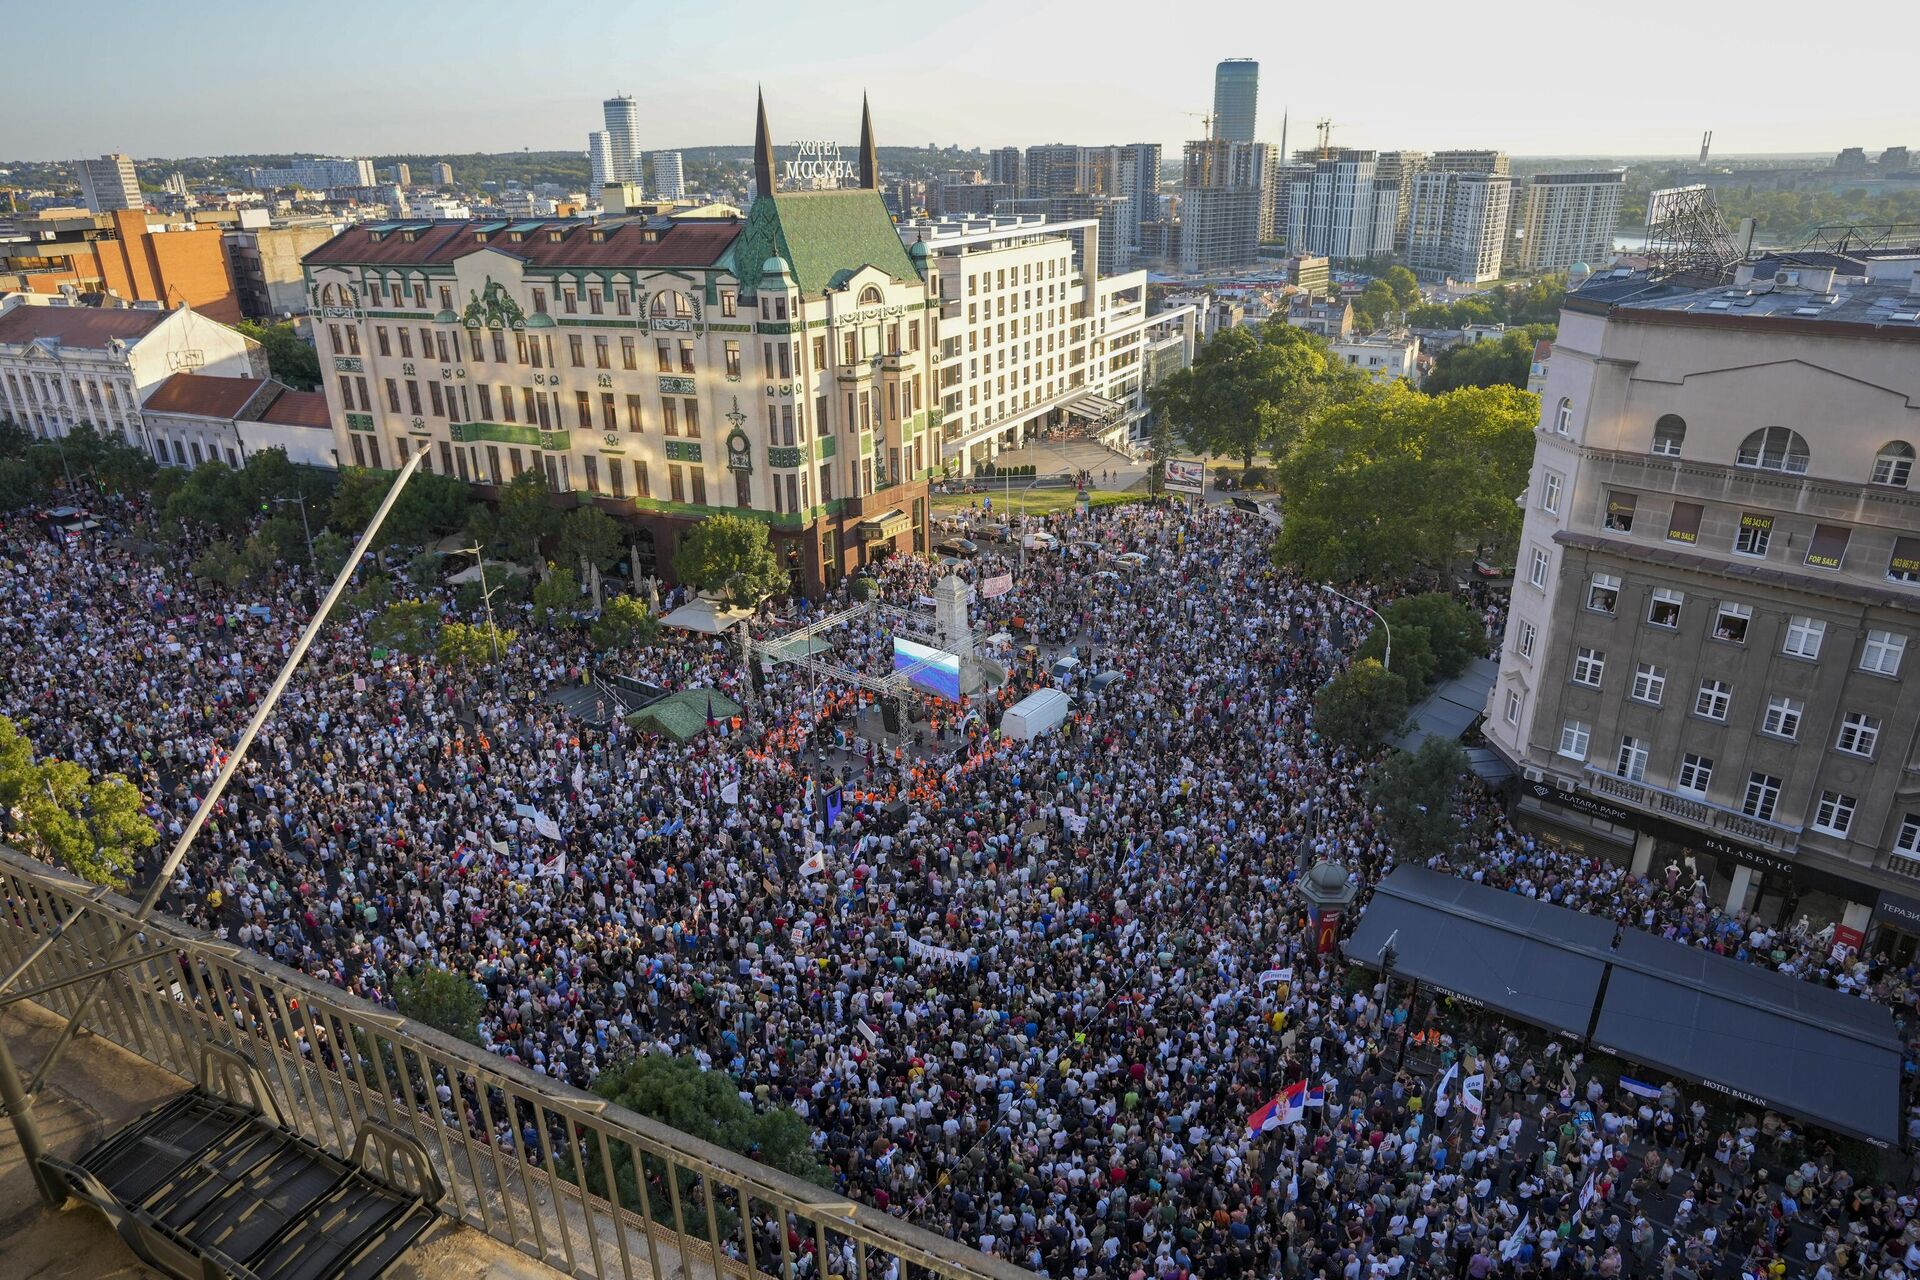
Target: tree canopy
<point>1396,480</point>
<point>1249,390</point>
<point>730,556</point>
<point>430,507</point>
<point>473,645</point>
<point>624,620</point>
<point>707,1104</point>
<point>1503,361</point>
<point>290,358</point>
<point>1361,707</point>
<point>445,1001</point>
<point>1415,793</point>
<point>1434,637</point>
<point>56,810</point>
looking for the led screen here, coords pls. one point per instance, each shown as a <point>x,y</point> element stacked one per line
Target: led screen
<point>940,674</point>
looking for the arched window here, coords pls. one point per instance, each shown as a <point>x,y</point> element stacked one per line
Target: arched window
<point>869,295</point>
<point>1669,433</point>
<point>671,302</point>
<point>1774,449</point>
<point>1563,417</point>
<point>1894,464</point>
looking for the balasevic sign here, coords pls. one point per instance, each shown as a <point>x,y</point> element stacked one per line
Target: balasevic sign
<point>818,162</point>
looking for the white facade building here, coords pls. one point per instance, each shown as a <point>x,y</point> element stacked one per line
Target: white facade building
<point>62,366</point>
<point>1383,356</point>
<point>623,133</point>
<point>1032,337</point>
<point>1569,218</point>
<point>109,183</point>
<point>193,418</point>
<point>1333,211</point>
<point>319,173</point>
<point>669,176</point>
<point>1457,225</point>
<point>599,161</point>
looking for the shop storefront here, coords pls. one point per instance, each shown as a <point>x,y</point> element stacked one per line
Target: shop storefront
<point>1895,932</point>
<point>1738,875</point>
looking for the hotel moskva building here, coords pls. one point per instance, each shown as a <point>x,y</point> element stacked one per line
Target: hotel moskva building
<point>776,365</point>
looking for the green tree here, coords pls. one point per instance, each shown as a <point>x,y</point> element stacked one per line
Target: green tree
<point>730,556</point>
<point>556,599</point>
<point>15,439</point>
<point>210,501</point>
<point>675,1091</point>
<point>1246,391</point>
<point>1404,285</point>
<point>330,552</point>
<point>1395,480</point>
<point>56,811</point>
<point>19,487</point>
<point>1434,637</point>
<point>1361,707</point>
<point>473,646</point>
<point>1373,305</point>
<point>290,359</point>
<point>590,538</point>
<point>446,1001</point>
<point>411,626</point>
<point>624,620</point>
<point>1415,793</point>
<point>430,507</point>
<point>1503,361</point>
<point>525,518</point>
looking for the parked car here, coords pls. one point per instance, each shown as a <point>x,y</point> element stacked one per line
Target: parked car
<point>1039,540</point>
<point>963,548</point>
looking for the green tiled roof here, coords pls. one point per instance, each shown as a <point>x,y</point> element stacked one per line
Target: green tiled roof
<point>825,236</point>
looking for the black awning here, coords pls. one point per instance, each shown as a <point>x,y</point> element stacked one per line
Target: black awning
<point>1481,945</point>
<point>1756,1035</point>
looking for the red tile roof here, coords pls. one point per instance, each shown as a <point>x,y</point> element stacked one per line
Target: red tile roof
<point>202,395</point>
<point>298,409</point>
<point>622,244</point>
<point>86,327</point>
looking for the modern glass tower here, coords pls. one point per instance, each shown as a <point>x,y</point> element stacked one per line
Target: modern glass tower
<point>1236,99</point>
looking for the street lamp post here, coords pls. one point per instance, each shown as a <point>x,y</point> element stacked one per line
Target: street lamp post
<point>1388,664</point>
<point>486,598</point>
<point>300,500</point>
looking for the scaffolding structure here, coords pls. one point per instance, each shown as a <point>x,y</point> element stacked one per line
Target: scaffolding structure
<point>1686,236</point>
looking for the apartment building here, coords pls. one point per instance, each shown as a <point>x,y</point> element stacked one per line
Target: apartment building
<point>1710,659</point>
<point>1569,218</point>
<point>669,176</point>
<point>1226,203</point>
<point>664,369</point>
<point>1457,225</point>
<point>64,366</point>
<point>1334,211</point>
<point>109,183</point>
<point>131,254</point>
<point>1033,338</point>
<point>319,173</point>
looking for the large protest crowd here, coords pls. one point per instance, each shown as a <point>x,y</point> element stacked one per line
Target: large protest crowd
<point>1026,994</point>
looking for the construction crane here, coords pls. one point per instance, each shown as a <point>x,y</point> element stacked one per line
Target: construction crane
<point>1324,128</point>
<point>1206,119</point>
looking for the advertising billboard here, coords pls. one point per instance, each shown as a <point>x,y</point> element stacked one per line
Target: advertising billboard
<point>940,673</point>
<point>1186,475</point>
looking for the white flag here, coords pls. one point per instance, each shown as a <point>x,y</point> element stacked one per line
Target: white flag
<point>546,826</point>
<point>815,865</point>
<point>730,791</point>
<point>554,870</point>
<point>1470,1090</point>
<point>873,1037</point>
<point>579,777</point>
<point>1270,976</point>
<point>1587,1192</point>
<point>1446,1080</point>
<point>1511,1245</point>
<point>1076,822</point>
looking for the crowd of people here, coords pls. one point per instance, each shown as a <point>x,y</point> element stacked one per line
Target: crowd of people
<point>1025,993</point>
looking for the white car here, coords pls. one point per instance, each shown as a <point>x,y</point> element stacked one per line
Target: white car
<point>1039,540</point>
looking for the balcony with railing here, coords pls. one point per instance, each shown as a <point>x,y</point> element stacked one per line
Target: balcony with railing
<point>1704,814</point>
<point>567,1179</point>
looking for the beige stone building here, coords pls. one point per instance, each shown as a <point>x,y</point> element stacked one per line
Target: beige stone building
<point>1713,653</point>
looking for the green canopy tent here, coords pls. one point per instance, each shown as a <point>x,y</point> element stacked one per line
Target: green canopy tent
<point>682,715</point>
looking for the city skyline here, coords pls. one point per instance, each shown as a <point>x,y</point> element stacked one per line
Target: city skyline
<point>692,89</point>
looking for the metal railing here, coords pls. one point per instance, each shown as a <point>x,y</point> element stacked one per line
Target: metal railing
<point>586,1187</point>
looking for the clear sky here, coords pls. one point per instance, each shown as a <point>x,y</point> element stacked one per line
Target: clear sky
<point>360,77</point>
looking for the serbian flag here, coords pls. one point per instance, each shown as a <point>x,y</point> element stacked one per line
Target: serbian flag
<point>1316,1096</point>
<point>1267,1117</point>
